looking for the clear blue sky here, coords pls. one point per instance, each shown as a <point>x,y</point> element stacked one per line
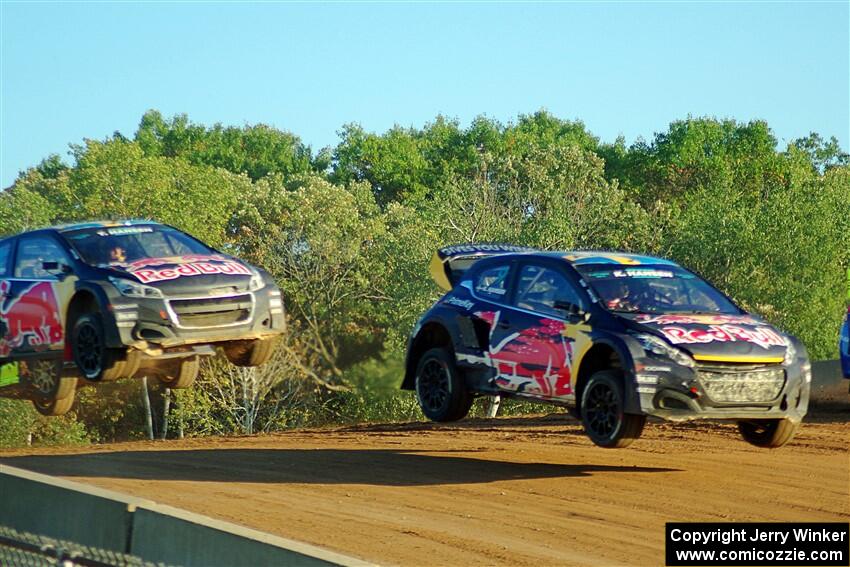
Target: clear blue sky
<point>83,70</point>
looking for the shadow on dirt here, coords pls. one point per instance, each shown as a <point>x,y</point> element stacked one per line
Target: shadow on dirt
<point>384,467</point>
<point>566,425</point>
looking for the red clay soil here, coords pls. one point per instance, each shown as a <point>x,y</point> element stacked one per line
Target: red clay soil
<point>510,491</point>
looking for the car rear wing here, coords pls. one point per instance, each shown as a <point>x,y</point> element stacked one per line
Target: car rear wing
<point>450,263</point>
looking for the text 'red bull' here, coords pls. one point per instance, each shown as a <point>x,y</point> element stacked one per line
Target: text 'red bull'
<point>191,269</point>
<point>764,337</point>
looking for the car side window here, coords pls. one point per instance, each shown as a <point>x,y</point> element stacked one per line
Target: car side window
<point>35,250</point>
<point>492,283</point>
<point>5,248</point>
<point>538,288</point>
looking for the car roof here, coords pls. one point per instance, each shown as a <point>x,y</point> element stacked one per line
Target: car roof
<point>588,257</point>
<point>584,257</point>
<point>77,226</point>
<point>102,224</point>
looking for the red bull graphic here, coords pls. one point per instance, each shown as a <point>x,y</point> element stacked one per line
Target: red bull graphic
<point>148,270</point>
<point>535,360</point>
<point>764,337</point>
<point>29,316</point>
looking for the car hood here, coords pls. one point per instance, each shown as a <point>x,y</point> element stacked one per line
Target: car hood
<point>716,338</point>
<point>181,275</point>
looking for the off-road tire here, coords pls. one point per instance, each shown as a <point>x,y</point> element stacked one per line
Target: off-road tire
<point>768,433</point>
<point>54,407</point>
<point>45,379</point>
<point>95,361</point>
<point>603,412</point>
<point>181,374</point>
<point>440,389</point>
<point>250,353</point>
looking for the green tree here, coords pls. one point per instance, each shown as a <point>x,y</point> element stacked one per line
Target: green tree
<point>321,242</point>
<point>256,150</point>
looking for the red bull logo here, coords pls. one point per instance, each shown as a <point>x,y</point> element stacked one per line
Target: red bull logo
<point>29,316</point>
<point>701,319</point>
<point>764,337</point>
<point>147,270</point>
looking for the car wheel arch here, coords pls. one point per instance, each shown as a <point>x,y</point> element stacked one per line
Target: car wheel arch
<point>85,300</point>
<point>603,355</point>
<point>81,302</point>
<point>432,334</point>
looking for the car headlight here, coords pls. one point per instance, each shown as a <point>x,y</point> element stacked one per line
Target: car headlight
<point>257,282</point>
<point>790,353</point>
<point>655,345</point>
<point>129,288</point>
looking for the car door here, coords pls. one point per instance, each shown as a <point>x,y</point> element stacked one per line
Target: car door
<point>30,309</point>
<point>533,349</point>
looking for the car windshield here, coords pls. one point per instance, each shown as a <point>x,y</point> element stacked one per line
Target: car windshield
<point>654,289</point>
<point>122,245</point>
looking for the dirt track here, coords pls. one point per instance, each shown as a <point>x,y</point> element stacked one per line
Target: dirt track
<point>517,491</point>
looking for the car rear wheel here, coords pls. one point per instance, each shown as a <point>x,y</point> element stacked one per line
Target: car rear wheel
<point>768,433</point>
<point>603,412</point>
<point>46,380</point>
<point>440,388</point>
<point>250,353</point>
<point>95,361</point>
<point>53,407</point>
<point>181,374</point>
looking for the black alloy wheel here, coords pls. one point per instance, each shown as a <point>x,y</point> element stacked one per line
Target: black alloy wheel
<point>87,347</point>
<point>603,411</point>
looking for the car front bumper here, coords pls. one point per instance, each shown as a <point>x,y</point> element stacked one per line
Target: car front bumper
<point>151,324</point>
<point>677,393</point>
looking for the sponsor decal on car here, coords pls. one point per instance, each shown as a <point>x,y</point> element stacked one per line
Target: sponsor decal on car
<point>698,319</point>
<point>764,337</point>
<point>150,270</point>
<point>124,230</point>
<point>536,360</point>
<point>633,273</point>
<point>482,248</point>
<point>465,303</point>
<point>29,315</point>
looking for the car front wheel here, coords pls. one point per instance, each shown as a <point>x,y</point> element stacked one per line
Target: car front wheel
<point>94,360</point>
<point>603,412</point>
<point>181,374</point>
<point>768,433</point>
<point>440,389</point>
<point>250,353</point>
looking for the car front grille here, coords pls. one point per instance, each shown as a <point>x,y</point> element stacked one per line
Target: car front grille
<point>745,384</point>
<point>205,312</point>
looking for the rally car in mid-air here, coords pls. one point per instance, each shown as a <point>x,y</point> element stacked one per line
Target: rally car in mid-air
<point>615,337</point>
<point>100,301</point>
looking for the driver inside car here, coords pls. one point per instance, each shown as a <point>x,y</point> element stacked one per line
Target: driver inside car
<point>117,255</point>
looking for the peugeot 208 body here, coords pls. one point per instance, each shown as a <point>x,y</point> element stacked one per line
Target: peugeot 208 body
<point>108,300</point>
<point>616,337</point>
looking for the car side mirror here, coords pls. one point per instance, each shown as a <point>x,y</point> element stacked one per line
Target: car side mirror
<point>56,267</point>
<point>572,310</point>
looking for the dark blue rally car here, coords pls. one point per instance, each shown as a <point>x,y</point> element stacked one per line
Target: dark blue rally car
<point>100,301</point>
<point>844,345</point>
<point>615,337</point>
